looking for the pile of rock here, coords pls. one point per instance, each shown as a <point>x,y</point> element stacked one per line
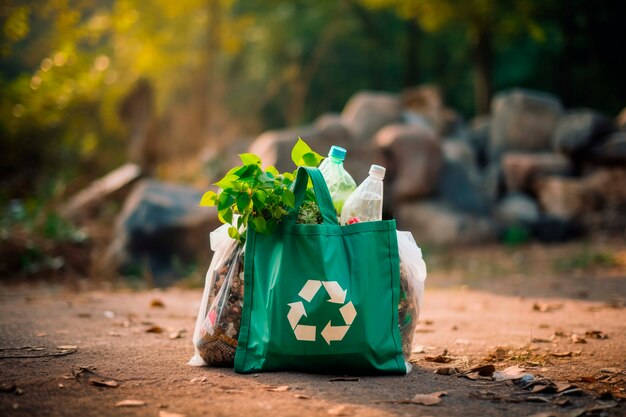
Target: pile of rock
<point>530,165</point>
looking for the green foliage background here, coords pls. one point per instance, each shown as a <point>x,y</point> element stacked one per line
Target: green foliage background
<point>65,65</point>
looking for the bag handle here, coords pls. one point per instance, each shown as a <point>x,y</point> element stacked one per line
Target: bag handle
<point>322,195</point>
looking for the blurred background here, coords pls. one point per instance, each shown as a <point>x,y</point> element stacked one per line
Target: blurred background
<point>502,126</point>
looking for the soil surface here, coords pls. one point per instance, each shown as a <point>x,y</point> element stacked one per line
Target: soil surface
<point>560,318</point>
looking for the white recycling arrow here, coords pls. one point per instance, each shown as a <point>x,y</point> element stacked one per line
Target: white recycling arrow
<point>348,312</point>
<point>296,312</point>
<point>334,333</point>
<point>337,294</point>
<point>304,332</point>
<point>310,289</point>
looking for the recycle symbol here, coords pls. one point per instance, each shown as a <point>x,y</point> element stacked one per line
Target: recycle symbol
<point>330,333</point>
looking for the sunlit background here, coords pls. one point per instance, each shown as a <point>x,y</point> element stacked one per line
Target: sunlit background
<point>180,87</point>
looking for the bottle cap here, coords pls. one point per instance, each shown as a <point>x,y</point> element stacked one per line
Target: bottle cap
<point>377,171</point>
<point>337,152</point>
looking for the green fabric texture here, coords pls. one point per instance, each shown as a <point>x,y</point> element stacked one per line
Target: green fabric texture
<point>321,298</point>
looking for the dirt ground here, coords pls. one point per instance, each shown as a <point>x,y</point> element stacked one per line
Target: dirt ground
<point>532,307</point>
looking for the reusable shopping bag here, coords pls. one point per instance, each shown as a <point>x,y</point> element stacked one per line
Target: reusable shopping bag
<point>321,298</point>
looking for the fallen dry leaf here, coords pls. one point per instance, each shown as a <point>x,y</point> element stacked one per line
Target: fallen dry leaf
<point>198,379</point>
<point>157,303</point>
<point>443,358</point>
<point>447,371</point>
<point>577,339</point>
<point>281,388</point>
<point>543,388</point>
<point>67,347</point>
<point>340,410</point>
<point>588,379</point>
<point>561,354</point>
<point>596,334</point>
<point>540,340</point>
<point>509,374</point>
<point>546,308</point>
<point>563,386</point>
<point>130,403</point>
<point>164,413</point>
<point>302,397</point>
<point>483,370</point>
<point>428,399</point>
<point>154,329</point>
<point>104,383</point>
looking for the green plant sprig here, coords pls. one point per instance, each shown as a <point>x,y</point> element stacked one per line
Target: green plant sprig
<point>252,197</point>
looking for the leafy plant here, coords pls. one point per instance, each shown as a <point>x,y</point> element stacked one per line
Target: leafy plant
<point>252,197</point>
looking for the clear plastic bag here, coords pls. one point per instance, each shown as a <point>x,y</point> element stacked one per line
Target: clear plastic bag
<point>412,277</point>
<point>219,317</point>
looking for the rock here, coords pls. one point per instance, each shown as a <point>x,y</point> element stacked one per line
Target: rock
<point>274,146</point>
<point>564,198</point>
<point>461,187</point>
<point>436,223</point>
<point>161,230</point>
<point>598,198</point>
<point>413,160</point>
<point>522,169</point>
<point>517,208</point>
<point>523,120</point>
<point>493,182</point>
<point>478,138</point>
<point>550,229</point>
<point>580,130</point>
<point>115,184</point>
<point>367,112</point>
<point>328,120</point>
<point>613,151</point>
<point>459,151</point>
<point>427,100</point>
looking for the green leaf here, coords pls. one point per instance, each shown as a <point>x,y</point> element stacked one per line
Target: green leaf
<point>226,215</point>
<point>243,201</point>
<point>227,181</point>
<point>208,199</point>
<point>224,201</point>
<point>233,233</point>
<point>250,159</point>
<point>259,224</point>
<point>258,199</point>
<point>298,151</point>
<point>289,198</point>
<point>311,159</point>
<point>272,170</point>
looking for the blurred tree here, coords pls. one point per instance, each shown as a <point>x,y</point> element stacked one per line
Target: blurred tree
<point>483,20</point>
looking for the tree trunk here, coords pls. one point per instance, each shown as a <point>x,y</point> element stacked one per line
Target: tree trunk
<point>411,57</point>
<point>483,55</point>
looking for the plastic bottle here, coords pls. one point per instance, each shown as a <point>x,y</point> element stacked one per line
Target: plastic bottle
<point>339,182</point>
<point>366,203</point>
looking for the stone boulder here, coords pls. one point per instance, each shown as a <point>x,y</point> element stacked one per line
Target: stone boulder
<point>612,151</point>
<point>274,146</point>
<point>517,208</point>
<point>413,160</point>
<point>436,223</point>
<point>522,169</point>
<point>161,231</point>
<point>580,130</point>
<point>460,184</point>
<point>367,112</point>
<point>523,120</point>
<point>598,198</point>
<point>478,138</point>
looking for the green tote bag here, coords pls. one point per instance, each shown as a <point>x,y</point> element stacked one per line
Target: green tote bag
<point>321,298</point>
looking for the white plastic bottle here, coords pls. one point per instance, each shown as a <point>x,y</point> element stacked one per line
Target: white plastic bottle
<point>340,184</point>
<point>366,203</point>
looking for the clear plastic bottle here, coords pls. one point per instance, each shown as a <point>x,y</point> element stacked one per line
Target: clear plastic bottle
<point>366,203</point>
<point>339,182</point>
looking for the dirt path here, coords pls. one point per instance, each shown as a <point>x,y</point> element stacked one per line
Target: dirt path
<point>109,331</point>
<point>531,307</point>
